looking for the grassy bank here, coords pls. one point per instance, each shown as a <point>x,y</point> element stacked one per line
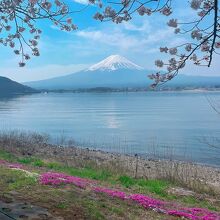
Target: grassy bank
<point>157,188</point>
<point>68,203</point>
<point>30,146</point>
<point>171,182</point>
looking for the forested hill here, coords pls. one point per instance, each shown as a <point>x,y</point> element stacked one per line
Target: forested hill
<point>9,87</point>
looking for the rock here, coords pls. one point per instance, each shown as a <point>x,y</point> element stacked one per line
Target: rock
<point>180,191</point>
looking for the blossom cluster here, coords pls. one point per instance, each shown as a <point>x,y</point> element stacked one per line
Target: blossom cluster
<point>162,206</point>
<point>52,178</point>
<point>205,41</point>
<point>18,24</point>
<point>204,35</point>
<point>11,165</point>
<point>147,202</point>
<point>168,208</point>
<point>123,13</point>
<point>111,192</point>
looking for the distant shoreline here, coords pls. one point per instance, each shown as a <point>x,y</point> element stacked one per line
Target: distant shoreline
<point>107,90</point>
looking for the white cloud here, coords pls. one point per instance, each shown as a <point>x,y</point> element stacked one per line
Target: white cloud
<point>125,41</point>
<point>161,35</point>
<point>54,27</point>
<point>144,27</point>
<point>116,38</point>
<point>83,2</point>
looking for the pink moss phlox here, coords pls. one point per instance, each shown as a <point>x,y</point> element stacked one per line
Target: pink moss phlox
<point>110,192</point>
<point>146,201</point>
<point>3,162</point>
<point>190,214</point>
<point>10,165</point>
<point>195,214</point>
<point>15,165</point>
<point>52,178</point>
<point>182,214</point>
<point>161,206</point>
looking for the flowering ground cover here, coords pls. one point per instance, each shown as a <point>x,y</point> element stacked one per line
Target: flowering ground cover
<point>11,165</point>
<point>166,208</point>
<point>65,201</point>
<point>51,178</point>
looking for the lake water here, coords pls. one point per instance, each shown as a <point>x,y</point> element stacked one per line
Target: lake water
<point>161,124</point>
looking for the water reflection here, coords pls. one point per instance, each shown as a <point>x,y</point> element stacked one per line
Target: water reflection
<point>127,122</point>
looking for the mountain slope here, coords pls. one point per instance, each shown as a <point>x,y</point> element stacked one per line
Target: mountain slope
<point>118,72</point>
<point>9,87</point>
<point>86,79</point>
<point>114,71</point>
<point>114,62</point>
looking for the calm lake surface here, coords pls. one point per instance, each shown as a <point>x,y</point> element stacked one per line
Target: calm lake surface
<point>152,124</point>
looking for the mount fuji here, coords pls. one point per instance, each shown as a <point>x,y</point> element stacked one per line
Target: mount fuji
<point>114,62</point>
<point>117,72</point>
<point>113,72</point>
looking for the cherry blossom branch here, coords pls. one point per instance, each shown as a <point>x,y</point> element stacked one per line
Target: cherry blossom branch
<point>204,31</point>
<point>207,42</point>
<point>214,31</point>
<point>18,19</point>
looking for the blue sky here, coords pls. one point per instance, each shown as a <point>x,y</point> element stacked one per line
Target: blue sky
<point>64,53</point>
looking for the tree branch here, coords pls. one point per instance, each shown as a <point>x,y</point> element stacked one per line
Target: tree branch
<point>214,31</point>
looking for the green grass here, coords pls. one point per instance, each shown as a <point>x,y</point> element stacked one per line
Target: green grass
<point>87,172</point>
<point>62,205</point>
<point>38,163</point>
<point>116,210</point>
<point>154,186</point>
<point>17,180</point>
<point>203,203</point>
<point>25,160</point>
<point>4,155</point>
<point>127,181</point>
<point>53,165</point>
<point>31,161</point>
<point>142,185</point>
<point>92,209</point>
<point>22,182</point>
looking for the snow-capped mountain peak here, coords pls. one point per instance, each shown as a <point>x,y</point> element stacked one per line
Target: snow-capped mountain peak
<point>114,62</point>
